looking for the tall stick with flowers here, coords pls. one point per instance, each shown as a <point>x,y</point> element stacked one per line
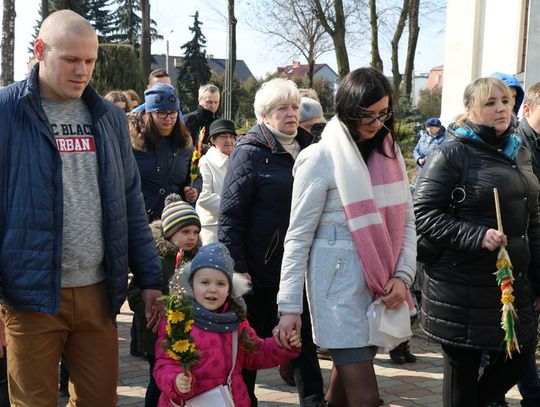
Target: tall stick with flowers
<point>196,156</point>
<point>505,279</point>
<point>179,343</point>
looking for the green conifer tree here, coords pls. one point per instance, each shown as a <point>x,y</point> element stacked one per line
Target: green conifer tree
<point>194,71</point>
<point>128,24</point>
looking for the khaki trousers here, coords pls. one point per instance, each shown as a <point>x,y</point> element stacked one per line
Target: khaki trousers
<point>83,334</point>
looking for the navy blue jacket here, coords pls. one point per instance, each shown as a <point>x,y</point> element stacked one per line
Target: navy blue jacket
<point>31,198</point>
<point>156,183</point>
<point>256,204</point>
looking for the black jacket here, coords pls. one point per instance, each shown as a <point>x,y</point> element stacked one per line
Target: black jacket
<point>198,119</point>
<point>461,299</point>
<point>256,204</point>
<point>532,142</point>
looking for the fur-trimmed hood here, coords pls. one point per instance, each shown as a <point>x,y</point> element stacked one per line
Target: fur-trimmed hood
<point>137,139</point>
<point>164,247</point>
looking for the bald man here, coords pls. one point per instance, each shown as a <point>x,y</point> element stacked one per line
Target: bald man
<point>72,218</point>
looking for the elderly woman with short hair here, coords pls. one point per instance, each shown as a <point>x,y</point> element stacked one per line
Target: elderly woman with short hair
<point>255,209</point>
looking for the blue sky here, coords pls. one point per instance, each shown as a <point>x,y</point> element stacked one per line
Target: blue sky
<point>173,18</point>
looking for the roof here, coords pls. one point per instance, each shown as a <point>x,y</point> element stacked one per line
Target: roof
<point>301,70</point>
<point>241,70</point>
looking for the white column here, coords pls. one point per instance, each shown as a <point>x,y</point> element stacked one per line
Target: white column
<point>462,41</point>
<point>532,55</point>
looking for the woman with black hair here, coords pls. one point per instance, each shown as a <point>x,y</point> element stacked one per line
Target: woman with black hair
<point>351,237</point>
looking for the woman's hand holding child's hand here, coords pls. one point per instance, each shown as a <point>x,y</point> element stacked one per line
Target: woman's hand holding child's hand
<point>183,382</point>
<point>294,339</point>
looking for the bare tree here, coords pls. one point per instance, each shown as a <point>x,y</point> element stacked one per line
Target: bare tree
<point>144,56</point>
<point>393,18</point>
<point>295,26</point>
<point>8,42</point>
<point>396,75</point>
<point>376,61</point>
<point>414,31</point>
<point>331,16</point>
<point>231,61</point>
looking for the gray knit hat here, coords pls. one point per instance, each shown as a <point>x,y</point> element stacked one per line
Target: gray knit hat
<point>310,109</point>
<point>214,256</point>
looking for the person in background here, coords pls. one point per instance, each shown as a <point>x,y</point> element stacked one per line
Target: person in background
<point>461,299</point>
<point>213,166</point>
<point>215,289</point>
<point>345,241</point>
<point>515,88</point>
<point>312,117</point>
<point>529,130</point>
<point>432,136</point>
<point>119,99</point>
<point>159,75</point>
<point>134,97</point>
<point>163,150</point>
<point>176,233</point>
<point>205,113</point>
<point>71,225</point>
<point>254,216</point>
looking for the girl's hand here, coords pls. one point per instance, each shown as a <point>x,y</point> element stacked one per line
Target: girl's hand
<point>183,382</point>
<point>394,293</point>
<point>287,324</point>
<point>191,194</point>
<point>294,339</point>
<point>493,239</point>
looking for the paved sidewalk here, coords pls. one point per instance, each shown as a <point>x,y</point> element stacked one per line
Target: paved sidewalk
<point>417,384</point>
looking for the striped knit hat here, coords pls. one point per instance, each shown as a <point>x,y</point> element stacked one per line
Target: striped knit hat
<point>177,214</point>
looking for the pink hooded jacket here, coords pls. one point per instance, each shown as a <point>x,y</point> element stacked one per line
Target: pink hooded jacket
<point>216,361</point>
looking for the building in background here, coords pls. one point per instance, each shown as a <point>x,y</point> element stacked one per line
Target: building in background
<point>320,72</point>
<point>435,77</point>
<point>486,36</point>
<point>217,65</point>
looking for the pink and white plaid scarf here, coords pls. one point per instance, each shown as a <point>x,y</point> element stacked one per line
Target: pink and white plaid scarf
<point>375,199</point>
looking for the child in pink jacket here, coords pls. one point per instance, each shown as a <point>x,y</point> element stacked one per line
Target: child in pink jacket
<point>217,313</point>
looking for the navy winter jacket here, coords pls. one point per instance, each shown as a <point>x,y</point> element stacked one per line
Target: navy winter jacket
<point>256,203</point>
<point>32,202</point>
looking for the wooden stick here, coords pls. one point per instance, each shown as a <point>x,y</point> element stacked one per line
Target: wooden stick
<point>498,209</point>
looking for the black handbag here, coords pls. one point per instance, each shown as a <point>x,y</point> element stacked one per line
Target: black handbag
<point>427,251</point>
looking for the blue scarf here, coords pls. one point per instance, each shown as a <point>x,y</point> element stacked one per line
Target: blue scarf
<point>511,146</point>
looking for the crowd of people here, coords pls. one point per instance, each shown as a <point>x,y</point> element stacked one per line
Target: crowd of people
<point>300,236</point>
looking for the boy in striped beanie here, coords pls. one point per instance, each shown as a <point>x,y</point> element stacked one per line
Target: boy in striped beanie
<point>181,225</point>
<point>176,216</point>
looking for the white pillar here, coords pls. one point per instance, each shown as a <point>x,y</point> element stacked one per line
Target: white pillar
<point>532,56</point>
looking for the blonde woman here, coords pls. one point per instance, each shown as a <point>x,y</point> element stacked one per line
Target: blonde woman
<point>461,300</point>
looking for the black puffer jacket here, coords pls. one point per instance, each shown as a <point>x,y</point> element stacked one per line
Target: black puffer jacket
<point>256,203</point>
<point>461,298</point>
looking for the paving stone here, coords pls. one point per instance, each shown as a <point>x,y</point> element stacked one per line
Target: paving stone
<point>409,385</point>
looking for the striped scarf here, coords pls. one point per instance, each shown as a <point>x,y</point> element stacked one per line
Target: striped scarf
<point>375,199</point>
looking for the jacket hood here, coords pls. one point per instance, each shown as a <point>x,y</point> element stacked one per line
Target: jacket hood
<point>164,247</point>
<point>137,139</point>
<point>512,82</point>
